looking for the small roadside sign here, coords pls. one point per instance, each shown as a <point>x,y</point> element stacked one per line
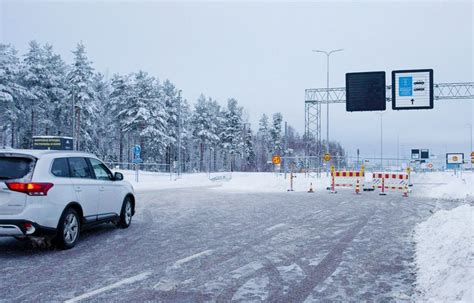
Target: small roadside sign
<point>327,157</point>
<point>276,160</point>
<point>137,153</point>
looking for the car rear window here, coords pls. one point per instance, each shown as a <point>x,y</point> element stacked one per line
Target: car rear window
<point>15,167</point>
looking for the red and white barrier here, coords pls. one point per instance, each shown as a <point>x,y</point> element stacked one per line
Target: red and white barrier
<point>390,181</point>
<point>347,179</point>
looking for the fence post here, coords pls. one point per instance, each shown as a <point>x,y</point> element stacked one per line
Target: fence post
<point>136,172</point>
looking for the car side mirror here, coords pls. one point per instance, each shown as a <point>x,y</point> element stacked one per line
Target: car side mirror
<point>118,177</point>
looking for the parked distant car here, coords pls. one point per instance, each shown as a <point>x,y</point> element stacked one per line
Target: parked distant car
<point>56,194</point>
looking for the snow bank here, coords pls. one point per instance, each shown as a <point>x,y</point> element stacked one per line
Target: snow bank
<point>444,256</point>
<point>272,182</point>
<point>444,185</point>
<point>236,182</point>
<point>156,181</point>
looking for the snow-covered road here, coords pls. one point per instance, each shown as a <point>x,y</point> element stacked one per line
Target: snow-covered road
<point>203,244</point>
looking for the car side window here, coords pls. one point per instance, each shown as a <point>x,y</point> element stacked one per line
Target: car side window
<point>80,168</point>
<point>101,171</point>
<point>60,167</point>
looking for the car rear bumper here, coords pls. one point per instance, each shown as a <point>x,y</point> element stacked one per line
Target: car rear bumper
<point>18,228</point>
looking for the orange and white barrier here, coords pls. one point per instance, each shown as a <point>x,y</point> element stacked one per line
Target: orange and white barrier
<point>390,181</point>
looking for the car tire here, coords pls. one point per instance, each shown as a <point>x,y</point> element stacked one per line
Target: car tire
<point>126,213</point>
<point>69,229</point>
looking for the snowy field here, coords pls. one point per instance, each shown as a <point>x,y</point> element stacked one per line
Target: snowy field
<point>245,238</point>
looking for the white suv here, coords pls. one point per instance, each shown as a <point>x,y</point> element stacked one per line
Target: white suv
<point>57,193</point>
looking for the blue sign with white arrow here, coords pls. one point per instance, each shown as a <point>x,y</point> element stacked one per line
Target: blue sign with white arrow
<point>137,151</point>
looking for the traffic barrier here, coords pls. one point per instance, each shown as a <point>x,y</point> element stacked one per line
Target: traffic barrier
<point>357,187</point>
<point>346,179</point>
<point>390,181</point>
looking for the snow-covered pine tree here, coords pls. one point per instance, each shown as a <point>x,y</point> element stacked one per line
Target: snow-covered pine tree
<point>231,133</point>
<point>102,133</point>
<point>81,89</point>
<point>12,94</point>
<point>205,125</point>
<point>34,76</point>
<point>119,96</point>
<point>249,150</point>
<point>156,131</point>
<point>55,119</point>
<point>145,116</point>
<point>275,134</point>
<point>171,99</point>
<point>263,143</point>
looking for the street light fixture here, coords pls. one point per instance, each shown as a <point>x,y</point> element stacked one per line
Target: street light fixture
<point>327,53</point>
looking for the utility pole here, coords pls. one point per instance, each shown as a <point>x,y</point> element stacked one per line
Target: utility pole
<point>327,97</point>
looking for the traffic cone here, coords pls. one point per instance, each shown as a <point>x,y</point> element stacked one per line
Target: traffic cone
<point>405,192</point>
<point>357,187</point>
<point>382,193</point>
<point>311,188</point>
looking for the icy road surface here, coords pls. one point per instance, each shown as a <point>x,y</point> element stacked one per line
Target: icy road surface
<point>203,244</point>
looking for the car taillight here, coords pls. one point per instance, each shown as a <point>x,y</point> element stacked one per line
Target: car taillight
<point>32,189</point>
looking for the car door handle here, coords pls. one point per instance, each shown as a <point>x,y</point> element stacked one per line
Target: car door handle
<point>101,188</point>
<point>78,189</point>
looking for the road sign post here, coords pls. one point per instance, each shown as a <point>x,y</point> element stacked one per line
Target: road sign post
<point>137,150</point>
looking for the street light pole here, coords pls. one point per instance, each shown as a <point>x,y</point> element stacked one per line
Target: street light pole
<point>381,140</point>
<point>327,95</point>
<point>470,125</point>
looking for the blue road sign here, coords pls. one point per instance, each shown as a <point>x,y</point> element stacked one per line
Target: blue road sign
<point>405,86</point>
<point>137,151</point>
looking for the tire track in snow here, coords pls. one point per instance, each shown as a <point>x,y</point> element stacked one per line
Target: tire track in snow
<point>325,268</point>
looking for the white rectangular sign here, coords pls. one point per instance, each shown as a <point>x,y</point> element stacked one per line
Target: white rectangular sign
<point>455,158</point>
<point>412,89</point>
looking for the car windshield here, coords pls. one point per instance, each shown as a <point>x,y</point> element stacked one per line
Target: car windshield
<point>14,167</point>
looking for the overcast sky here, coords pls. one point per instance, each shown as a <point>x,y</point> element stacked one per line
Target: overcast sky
<point>260,54</point>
